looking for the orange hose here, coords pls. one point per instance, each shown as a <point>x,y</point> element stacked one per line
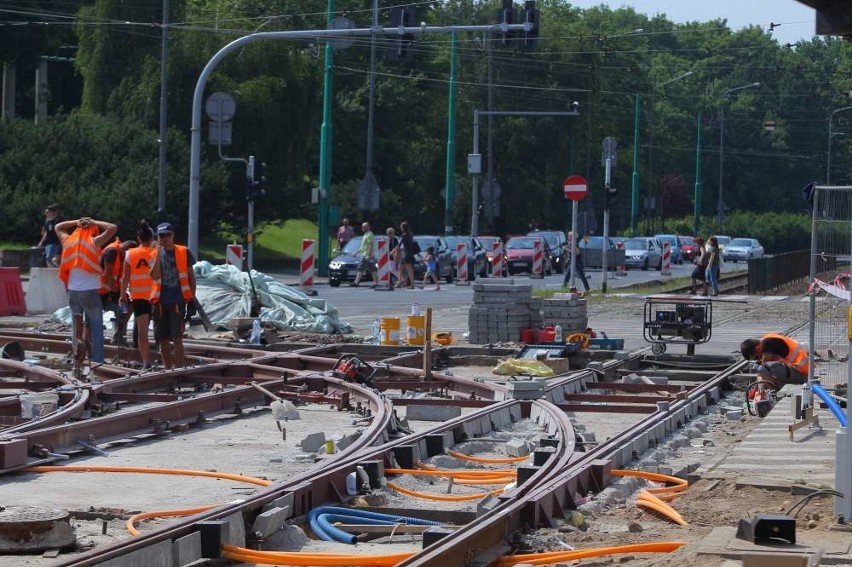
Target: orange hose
<point>146,470</point>
<point>131,522</point>
<point>563,556</point>
<point>507,460</point>
<point>648,500</point>
<point>442,497</point>
<point>454,473</point>
<point>311,559</point>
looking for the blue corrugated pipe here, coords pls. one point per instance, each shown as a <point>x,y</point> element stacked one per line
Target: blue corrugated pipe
<point>320,521</point>
<point>831,403</point>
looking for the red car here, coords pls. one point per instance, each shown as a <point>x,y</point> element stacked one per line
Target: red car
<point>689,248</point>
<point>519,255</point>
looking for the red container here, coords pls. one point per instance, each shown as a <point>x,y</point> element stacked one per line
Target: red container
<point>527,335</point>
<point>547,335</point>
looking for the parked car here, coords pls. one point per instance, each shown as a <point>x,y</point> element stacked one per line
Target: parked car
<point>556,239</point>
<point>723,242</point>
<point>689,248</point>
<point>676,246</point>
<point>519,255</point>
<point>343,265</point>
<point>742,249</point>
<point>487,242</point>
<point>477,262</point>
<point>442,253</point>
<point>643,252</point>
<point>592,250</point>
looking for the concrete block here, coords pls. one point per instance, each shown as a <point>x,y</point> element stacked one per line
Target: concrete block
<point>435,534</point>
<point>525,472</point>
<point>432,413</point>
<point>485,505</point>
<point>156,555</point>
<point>282,502</point>
<point>313,442</point>
<point>472,429</point>
<point>347,440</point>
<point>526,389</point>
<point>435,445</point>
<point>485,424</point>
<point>269,521</point>
<point>541,455</point>
<point>13,453</point>
<point>187,549</point>
<point>407,456</point>
<point>518,448</point>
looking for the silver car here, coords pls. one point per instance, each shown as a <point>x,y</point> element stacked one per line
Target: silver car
<point>742,249</point>
<point>643,252</point>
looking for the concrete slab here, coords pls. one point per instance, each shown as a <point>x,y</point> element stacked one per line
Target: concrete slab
<point>722,542</point>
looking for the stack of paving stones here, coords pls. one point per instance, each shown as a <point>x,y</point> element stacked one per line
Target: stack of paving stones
<point>501,310</point>
<point>567,309</point>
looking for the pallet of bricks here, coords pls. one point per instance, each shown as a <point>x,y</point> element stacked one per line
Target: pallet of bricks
<point>500,311</point>
<point>567,309</point>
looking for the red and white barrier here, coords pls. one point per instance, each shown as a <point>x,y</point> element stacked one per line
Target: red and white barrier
<point>666,269</point>
<point>234,255</point>
<point>383,264</point>
<point>538,259</point>
<point>497,260</point>
<point>622,267</point>
<point>461,263</point>
<point>306,271</point>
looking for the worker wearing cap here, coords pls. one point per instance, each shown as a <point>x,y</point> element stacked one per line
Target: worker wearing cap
<point>172,295</point>
<point>782,360</point>
<point>136,287</point>
<point>80,270</point>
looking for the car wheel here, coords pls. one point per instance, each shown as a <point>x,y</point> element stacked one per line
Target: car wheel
<point>483,273</point>
<point>334,283</point>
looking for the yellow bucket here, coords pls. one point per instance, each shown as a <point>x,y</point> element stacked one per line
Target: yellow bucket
<point>416,330</point>
<point>389,328</point>
<point>329,447</point>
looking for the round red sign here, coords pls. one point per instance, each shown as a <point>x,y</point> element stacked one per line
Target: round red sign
<point>575,188</point>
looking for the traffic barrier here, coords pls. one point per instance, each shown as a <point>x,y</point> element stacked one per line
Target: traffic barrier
<point>666,268</point>
<point>11,292</point>
<point>306,271</point>
<point>389,331</point>
<point>538,259</point>
<point>461,263</point>
<point>622,268</point>
<point>383,264</point>
<point>45,291</point>
<point>234,255</point>
<point>497,260</point>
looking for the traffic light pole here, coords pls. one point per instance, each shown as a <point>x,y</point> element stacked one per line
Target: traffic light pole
<point>250,218</point>
<point>604,247</point>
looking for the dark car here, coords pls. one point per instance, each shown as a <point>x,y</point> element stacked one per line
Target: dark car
<point>488,243</point>
<point>343,266</point>
<point>519,255</point>
<point>555,239</point>
<point>442,254</point>
<point>592,250</point>
<point>477,261</point>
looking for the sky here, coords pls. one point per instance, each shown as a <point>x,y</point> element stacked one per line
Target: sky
<point>797,20</point>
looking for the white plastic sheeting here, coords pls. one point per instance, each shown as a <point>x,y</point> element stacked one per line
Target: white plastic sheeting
<point>225,293</point>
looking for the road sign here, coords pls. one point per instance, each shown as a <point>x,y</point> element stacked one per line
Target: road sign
<point>769,125</point>
<point>220,107</point>
<point>575,188</point>
<point>234,255</point>
<point>610,145</point>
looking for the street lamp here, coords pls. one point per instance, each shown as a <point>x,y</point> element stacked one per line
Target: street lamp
<point>828,160</point>
<point>720,205</point>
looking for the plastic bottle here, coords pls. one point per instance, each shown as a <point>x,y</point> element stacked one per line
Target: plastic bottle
<point>415,309</point>
<point>557,332</point>
<point>376,331</point>
<point>255,332</point>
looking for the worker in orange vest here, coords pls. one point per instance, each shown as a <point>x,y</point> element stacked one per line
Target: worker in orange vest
<point>782,361</point>
<point>80,271</point>
<point>112,263</point>
<point>173,294</point>
<point>136,288</point>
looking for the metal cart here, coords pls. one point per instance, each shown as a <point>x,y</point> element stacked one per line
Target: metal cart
<point>677,319</point>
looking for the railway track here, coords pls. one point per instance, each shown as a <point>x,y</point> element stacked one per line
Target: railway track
<point>120,403</point>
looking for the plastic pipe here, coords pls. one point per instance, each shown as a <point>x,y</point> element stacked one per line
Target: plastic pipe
<point>561,557</point>
<point>831,403</point>
<point>320,520</point>
<point>146,470</point>
<point>445,497</point>
<point>131,522</point>
<point>506,460</point>
<point>310,559</point>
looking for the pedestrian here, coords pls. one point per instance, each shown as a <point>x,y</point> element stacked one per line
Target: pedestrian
<point>431,268</point>
<point>345,232</point>
<point>410,249</point>
<point>714,264</point>
<point>136,288</point>
<point>80,271</point>
<point>49,238</point>
<point>112,264</point>
<point>782,361</point>
<point>368,256</point>
<point>578,260</point>
<point>393,259</point>
<point>699,273</point>
<point>172,295</point>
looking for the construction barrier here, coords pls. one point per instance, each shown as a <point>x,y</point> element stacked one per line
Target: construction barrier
<point>461,263</point>
<point>45,291</point>
<point>234,255</point>
<point>389,331</point>
<point>622,267</point>
<point>538,259</point>
<point>666,268</point>
<point>306,271</point>
<point>11,292</point>
<point>497,260</point>
<point>383,264</point>
<point>416,332</point>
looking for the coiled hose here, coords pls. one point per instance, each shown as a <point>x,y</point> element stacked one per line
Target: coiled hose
<point>320,519</point>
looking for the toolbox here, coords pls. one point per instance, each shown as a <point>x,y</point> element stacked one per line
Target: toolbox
<point>606,344</point>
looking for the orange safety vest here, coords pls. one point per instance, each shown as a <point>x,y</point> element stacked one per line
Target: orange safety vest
<point>797,358</point>
<point>114,269</point>
<point>182,262</point>
<point>140,261</point>
<point>79,251</point>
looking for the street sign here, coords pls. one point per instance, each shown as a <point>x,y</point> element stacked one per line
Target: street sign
<point>610,145</point>
<point>234,255</point>
<point>769,125</point>
<point>220,107</point>
<point>575,188</point>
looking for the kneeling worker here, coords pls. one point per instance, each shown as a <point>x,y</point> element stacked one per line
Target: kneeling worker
<point>783,361</point>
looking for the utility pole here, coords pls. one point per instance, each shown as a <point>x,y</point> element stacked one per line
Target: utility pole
<point>634,187</point>
<point>696,205</point>
<point>450,184</point>
<point>325,153</point>
<point>164,104</point>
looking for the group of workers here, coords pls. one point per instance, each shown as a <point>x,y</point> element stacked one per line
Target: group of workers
<point>150,278</point>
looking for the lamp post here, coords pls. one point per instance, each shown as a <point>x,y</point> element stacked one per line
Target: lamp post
<point>720,205</point>
<point>830,134</point>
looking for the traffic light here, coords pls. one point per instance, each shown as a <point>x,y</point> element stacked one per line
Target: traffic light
<point>531,16</point>
<point>507,16</point>
<point>611,197</point>
<point>401,48</point>
<point>257,186</point>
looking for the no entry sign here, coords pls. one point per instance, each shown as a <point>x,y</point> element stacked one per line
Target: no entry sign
<point>574,188</point>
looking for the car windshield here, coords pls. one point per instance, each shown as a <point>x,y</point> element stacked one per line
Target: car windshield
<point>723,240</point>
<point>488,241</point>
<point>594,242</point>
<point>745,242</point>
<point>453,240</point>
<point>636,244</point>
<point>353,246</point>
<point>687,241</point>
<point>668,238</point>
<point>520,243</point>
<point>549,237</point>
<point>424,242</point>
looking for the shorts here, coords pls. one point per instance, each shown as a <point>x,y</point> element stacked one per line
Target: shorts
<point>141,307</point>
<point>367,265</point>
<point>169,322</point>
<point>699,273</point>
<point>780,373</point>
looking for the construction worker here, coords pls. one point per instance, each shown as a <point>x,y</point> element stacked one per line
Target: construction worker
<point>173,294</point>
<point>136,283</point>
<point>112,264</point>
<point>782,361</point>
<point>80,271</point>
